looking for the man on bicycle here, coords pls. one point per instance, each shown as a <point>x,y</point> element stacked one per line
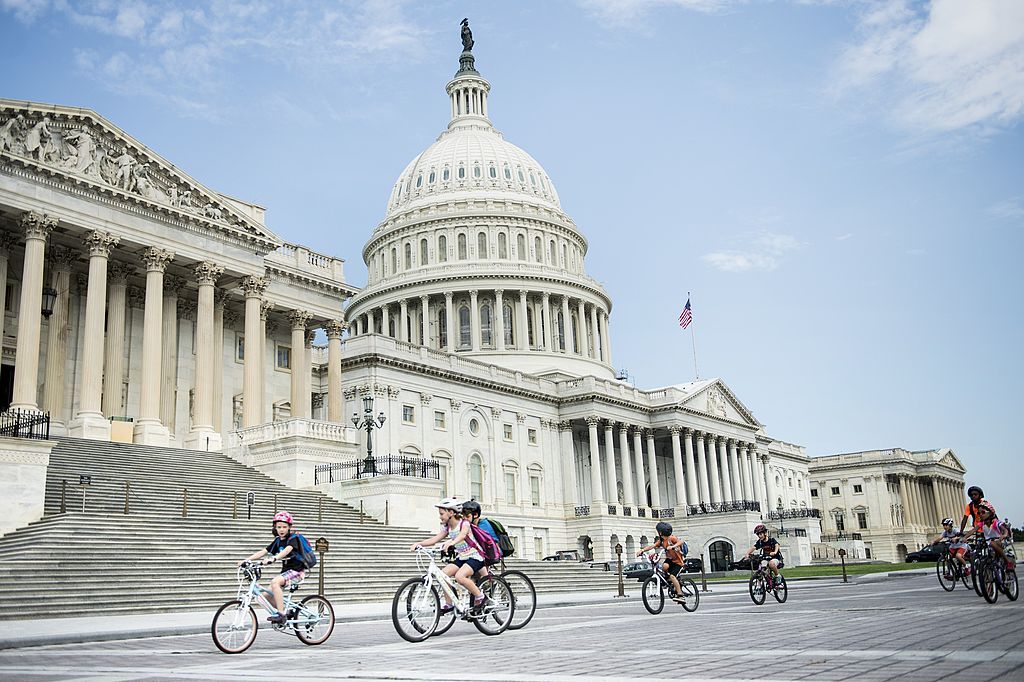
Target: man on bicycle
<point>673,554</point>
<point>769,547</point>
<point>957,547</point>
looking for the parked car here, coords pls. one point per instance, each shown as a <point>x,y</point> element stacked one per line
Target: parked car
<point>742,565</point>
<point>692,565</point>
<point>926,554</point>
<point>606,565</point>
<point>642,570</point>
<point>564,555</point>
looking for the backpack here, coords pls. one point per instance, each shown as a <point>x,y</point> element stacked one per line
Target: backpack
<point>482,541</point>
<point>504,541</point>
<point>307,556</point>
<point>685,549</point>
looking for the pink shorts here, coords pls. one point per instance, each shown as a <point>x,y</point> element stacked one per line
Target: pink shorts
<point>294,576</point>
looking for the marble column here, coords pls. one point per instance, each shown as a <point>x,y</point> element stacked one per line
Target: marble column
<point>449,322</point>
<point>596,486</point>
<point>757,477</point>
<point>607,337</point>
<point>594,338</point>
<point>307,373</point>
<point>524,333</point>
<point>612,477</point>
<point>7,240</point>
<point>938,506</point>
<point>639,470</point>
<point>113,352</point>
<point>148,429</point>
<point>773,496</point>
<point>745,478</point>
<point>702,469</point>
<point>403,321</point>
<point>629,492</point>
<point>424,321</point>
<point>580,337</point>
<point>570,489</point>
<point>499,319</point>
<point>474,320</point>
<point>202,435</point>
<point>169,352</point>
<point>267,331</point>
<point>566,325</point>
<point>90,422</point>
<point>385,320</point>
<point>723,456</point>
<point>734,471</point>
<point>714,477</point>
<point>37,228</point>
<point>652,470</point>
<point>298,319</point>
<point>252,405</point>
<point>335,401</point>
<point>218,360</point>
<point>692,496</point>
<point>677,467</point>
<point>549,325</point>
<point>61,260</point>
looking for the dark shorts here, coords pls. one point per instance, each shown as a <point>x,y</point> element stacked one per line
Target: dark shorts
<point>475,564</point>
<point>673,568</point>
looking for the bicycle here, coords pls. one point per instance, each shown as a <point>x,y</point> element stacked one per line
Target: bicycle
<point>235,624</point>
<point>948,565</point>
<point>762,582</point>
<point>980,552</point>
<point>654,588</point>
<point>416,608</point>
<point>524,594</point>
<point>995,578</point>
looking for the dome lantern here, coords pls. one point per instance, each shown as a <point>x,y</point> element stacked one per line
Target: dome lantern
<point>468,90</point>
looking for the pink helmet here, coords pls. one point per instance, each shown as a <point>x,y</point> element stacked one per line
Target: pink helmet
<point>283,516</point>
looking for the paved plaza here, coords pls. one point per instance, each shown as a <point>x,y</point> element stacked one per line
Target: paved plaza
<point>897,628</point>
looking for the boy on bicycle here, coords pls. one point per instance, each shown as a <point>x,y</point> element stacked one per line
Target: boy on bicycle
<point>769,547</point>
<point>673,554</point>
<point>957,546</point>
<point>288,547</point>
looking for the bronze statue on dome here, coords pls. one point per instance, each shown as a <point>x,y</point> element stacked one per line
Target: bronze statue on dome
<point>467,36</point>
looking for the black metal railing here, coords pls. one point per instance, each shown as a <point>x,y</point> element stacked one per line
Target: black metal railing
<point>583,511</point>
<point>667,513</point>
<point>385,465</point>
<point>722,507</point>
<point>627,511</point>
<point>612,510</point>
<point>840,537</point>
<point>641,512</point>
<point>25,424</point>
<point>808,513</point>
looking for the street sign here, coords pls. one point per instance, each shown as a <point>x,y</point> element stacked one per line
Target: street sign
<point>322,545</point>
<point>85,480</point>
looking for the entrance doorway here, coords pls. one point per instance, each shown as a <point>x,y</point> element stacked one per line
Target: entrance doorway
<point>720,555</point>
<point>6,386</point>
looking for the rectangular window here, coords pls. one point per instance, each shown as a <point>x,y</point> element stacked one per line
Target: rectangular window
<point>239,347</point>
<point>531,436</point>
<point>9,301</point>
<point>510,487</point>
<point>858,488</point>
<point>535,491</point>
<point>442,472</point>
<point>835,490</point>
<point>439,422</point>
<point>538,549</point>
<point>508,431</point>
<point>284,357</point>
<point>840,523</point>
<point>814,492</point>
<point>408,414</point>
<point>862,520</point>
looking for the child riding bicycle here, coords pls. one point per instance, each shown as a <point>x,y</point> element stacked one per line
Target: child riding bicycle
<point>673,554</point>
<point>455,532</point>
<point>990,531</point>
<point>957,547</point>
<point>288,547</point>
<point>769,547</point>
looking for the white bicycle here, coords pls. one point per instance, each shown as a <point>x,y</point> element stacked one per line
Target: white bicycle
<point>416,608</point>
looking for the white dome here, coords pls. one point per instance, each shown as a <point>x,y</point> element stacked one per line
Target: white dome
<point>472,162</point>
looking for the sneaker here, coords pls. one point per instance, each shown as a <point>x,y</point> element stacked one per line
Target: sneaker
<point>968,571</point>
<point>947,576</point>
<point>447,608</point>
<point>277,619</point>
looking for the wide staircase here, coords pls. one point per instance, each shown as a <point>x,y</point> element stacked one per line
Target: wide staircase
<point>162,529</point>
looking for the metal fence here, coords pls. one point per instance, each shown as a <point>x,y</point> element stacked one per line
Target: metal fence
<point>386,465</point>
<point>25,424</point>
<point>808,513</point>
<point>722,507</point>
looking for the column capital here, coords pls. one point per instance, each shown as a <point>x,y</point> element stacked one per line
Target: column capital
<point>687,431</point>
<point>299,318</point>
<point>456,405</point>
<point>496,413</point>
<point>265,308</point>
<point>37,225</point>
<point>219,297</point>
<point>62,258</point>
<point>208,273</point>
<point>699,435</point>
<point>310,336</point>
<point>473,293</point>
<point>172,285</point>
<point>7,240</point>
<point>120,272</point>
<point>545,295</point>
<point>731,441</point>
<point>187,309</point>
<point>622,426</point>
<point>592,421</point>
<point>334,329</point>
<point>156,259</point>
<point>565,425</point>
<point>448,296</point>
<point>137,297</point>
<point>498,293</point>
<point>230,318</point>
<point>254,287</point>
<point>674,429</point>
<point>426,399</point>
<point>521,417</point>
<point>523,293</point>
<point>99,243</point>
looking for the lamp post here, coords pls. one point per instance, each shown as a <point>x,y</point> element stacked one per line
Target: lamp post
<point>782,525</point>
<point>369,423</point>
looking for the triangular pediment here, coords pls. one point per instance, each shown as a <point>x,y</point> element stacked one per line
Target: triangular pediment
<point>948,459</point>
<point>712,397</point>
<point>84,149</point>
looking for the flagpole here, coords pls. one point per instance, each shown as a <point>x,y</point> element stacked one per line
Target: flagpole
<point>693,342</point>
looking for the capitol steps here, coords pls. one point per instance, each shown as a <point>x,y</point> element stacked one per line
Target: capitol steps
<point>153,559</point>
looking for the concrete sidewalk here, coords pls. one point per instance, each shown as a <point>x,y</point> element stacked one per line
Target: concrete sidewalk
<point>26,633</point>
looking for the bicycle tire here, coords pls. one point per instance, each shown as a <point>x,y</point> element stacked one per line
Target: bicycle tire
<point>445,621</point>
<point>976,568</point>
<point>967,580</point>
<point>525,595</point>
<point>757,589</point>
<point>989,588</point>
<point>501,610</point>
<point>247,641</point>
<point>942,568</point>
<point>781,591</point>
<point>691,597</point>
<point>325,612</point>
<point>417,607</point>
<point>653,595</point>
<point>1010,587</point>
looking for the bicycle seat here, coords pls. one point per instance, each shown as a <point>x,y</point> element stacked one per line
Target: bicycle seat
<point>294,584</point>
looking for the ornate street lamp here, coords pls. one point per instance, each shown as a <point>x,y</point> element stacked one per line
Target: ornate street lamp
<point>49,298</point>
<point>782,525</point>
<point>368,423</point>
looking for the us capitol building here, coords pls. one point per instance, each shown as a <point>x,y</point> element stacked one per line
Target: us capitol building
<point>143,306</point>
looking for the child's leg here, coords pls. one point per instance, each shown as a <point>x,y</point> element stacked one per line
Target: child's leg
<point>672,577</point>
<point>276,586</point>
<point>774,565</point>
<point>465,577</point>
<point>449,570</point>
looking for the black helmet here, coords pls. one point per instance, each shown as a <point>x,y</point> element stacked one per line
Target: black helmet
<point>664,528</point>
<point>981,493</point>
<point>470,508</point>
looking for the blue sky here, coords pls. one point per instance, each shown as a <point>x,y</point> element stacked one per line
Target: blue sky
<point>838,183</point>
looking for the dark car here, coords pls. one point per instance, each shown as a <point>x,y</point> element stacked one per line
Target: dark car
<point>927,553</point>
<point>692,565</point>
<point>742,565</point>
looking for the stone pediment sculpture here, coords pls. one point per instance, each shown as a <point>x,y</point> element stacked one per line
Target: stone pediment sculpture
<point>948,459</point>
<point>715,399</point>
<point>85,148</point>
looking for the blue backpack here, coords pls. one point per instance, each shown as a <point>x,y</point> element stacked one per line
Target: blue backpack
<point>307,556</point>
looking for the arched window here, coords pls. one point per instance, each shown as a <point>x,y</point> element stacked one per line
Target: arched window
<point>442,328</point>
<point>521,246</point>
<point>502,245</point>
<point>462,172</point>
<point>442,249</point>
<point>477,173</point>
<point>408,255</point>
<point>529,326</point>
<point>394,260</point>
<point>493,172</point>
<point>419,181</point>
<point>508,172</point>
<point>476,478</point>
<point>506,317</point>
<point>553,252</point>
<point>538,249</point>
<point>446,174</point>
<point>561,331</point>
<point>481,245</point>
<point>423,252</point>
<point>565,257</point>
<point>462,246</point>
<point>431,177</point>
<point>511,475</point>
<point>465,340</point>
<point>487,339</point>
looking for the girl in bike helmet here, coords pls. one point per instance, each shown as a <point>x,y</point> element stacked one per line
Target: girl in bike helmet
<point>287,547</point>
<point>990,530</point>
<point>673,553</point>
<point>455,532</point>
<point>769,548</point>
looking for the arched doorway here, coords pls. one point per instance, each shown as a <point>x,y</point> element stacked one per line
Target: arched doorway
<point>612,541</point>
<point>720,555</point>
<point>901,553</point>
<point>585,546</point>
<point>630,548</point>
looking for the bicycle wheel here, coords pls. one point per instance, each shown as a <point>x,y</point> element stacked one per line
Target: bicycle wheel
<point>989,588</point>
<point>781,591</point>
<point>415,610</point>
<point>943,567</point>
<point>234,627</point>
<point>977,566</point>
<point>525,595</point>
<point>653,595</point>
<point>1010,585</point>
<point>315,621</point>
<point>757,589</point>
<point>967,580</point>
<point>444,623</point>
<point>691,597</point>
<point>499,610</point>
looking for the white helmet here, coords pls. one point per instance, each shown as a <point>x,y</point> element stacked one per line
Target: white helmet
<point>450,503</point>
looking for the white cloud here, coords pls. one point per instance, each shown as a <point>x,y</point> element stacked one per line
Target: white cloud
<point>937,67</point>
<point>25,11</point>
<point>763,251</point>
<point>617,12</point>
<point>844,237</point>
<point>1009,209</point>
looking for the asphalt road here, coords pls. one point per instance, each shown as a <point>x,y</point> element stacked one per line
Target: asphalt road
<point>903,628</point>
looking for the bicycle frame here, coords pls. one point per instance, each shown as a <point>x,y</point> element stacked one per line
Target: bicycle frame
<point>433,575</point>
<point>265,598</point>
<point>664,582</point>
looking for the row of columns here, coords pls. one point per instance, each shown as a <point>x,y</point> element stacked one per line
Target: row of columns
<point>592,335</point>
<point>927,501</point>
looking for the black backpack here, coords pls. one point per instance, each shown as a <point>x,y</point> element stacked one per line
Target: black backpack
<point>504,541</point>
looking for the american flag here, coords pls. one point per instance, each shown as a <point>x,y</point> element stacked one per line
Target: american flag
<point>686,317</point>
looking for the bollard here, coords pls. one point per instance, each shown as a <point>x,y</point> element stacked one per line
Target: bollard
<point>127,492</point>
<point>360,511</point>
<point>618,554</point>
<point>320,510</point>
<point>321,547</point>
<point>703,576</point>
<point>842,558</point>
<point>63,496</point>
<point>234,506</point>
<point>184,503</point>
<point>386,512</point>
